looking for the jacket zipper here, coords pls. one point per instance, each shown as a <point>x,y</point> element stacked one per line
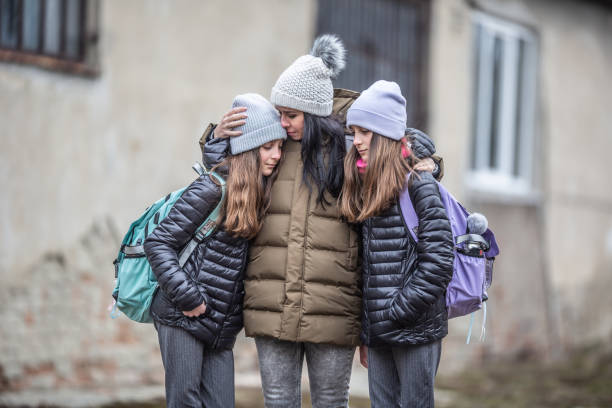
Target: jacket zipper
<point>303,263</point>
<point>366,266</point>
<point>244,260</point>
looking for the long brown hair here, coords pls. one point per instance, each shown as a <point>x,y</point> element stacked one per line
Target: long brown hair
<point>247,195</point>
<point>369,194</point>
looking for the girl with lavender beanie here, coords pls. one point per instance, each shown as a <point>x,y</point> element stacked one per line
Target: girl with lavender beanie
<point>404,315</point>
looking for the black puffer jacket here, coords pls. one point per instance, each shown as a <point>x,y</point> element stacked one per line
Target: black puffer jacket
<point>213,274</point>
<point>404,283</point>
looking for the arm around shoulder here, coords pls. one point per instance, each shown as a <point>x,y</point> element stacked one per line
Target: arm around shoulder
<point>214,150</point>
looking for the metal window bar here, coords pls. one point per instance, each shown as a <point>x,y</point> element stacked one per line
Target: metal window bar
<point>63,28</point>
<point>82,31</point>
<point>8,23</point>
<point>41,25</point>
<point>19,24</point>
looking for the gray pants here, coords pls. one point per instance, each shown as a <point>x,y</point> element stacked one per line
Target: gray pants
<point>403,376</point>
<point>329,372</point>
<point>195,376</point>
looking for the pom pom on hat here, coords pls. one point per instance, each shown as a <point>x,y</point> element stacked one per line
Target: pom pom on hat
<point>330,49</point>
<point>477,223</point>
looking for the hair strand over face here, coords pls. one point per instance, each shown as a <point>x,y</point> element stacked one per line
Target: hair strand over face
<point>247,195</point>
<point>369,194</point>
<point>323,150</point>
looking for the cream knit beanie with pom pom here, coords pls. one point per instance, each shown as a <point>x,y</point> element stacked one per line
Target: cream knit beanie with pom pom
<point>306,85</point>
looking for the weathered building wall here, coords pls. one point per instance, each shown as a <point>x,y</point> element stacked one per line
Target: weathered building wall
<point>555,243</point>
<point>577,139</point>
<point>76,148</point>
<point>81,158</point>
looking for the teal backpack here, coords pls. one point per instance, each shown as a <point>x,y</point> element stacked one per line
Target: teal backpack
<point>135,283</point>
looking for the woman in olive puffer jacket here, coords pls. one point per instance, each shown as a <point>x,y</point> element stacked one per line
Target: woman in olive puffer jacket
<point>197,310</point>
<point>303,282</point>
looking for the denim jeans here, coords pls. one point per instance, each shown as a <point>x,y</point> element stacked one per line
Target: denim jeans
<point>329,372</point>
<point>403,376</point>
<point>195,376</point>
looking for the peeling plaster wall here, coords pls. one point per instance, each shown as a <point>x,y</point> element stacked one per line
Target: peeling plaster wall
<point>548,292</point>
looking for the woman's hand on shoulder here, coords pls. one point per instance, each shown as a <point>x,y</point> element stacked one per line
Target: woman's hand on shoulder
<point>427,164</point>
<point>231,120</point>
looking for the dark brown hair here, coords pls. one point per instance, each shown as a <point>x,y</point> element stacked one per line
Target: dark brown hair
<point>247,195</point>
<point>323,148</point>
<point>368,194</point>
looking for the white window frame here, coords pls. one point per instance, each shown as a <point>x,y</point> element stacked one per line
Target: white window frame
<point>502,179</point>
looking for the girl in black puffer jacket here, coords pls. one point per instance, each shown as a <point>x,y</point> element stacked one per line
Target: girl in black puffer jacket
<point>404,314</point>
<point>197,310</point>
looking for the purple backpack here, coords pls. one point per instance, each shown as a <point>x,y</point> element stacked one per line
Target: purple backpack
<point>474,256</point>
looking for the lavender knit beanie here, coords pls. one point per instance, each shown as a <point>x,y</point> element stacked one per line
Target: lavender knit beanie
<point>381,108</point>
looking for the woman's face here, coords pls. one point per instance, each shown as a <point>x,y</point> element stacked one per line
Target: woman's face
<point>361,141</point>
<point>293,122</point>
<point>269,155</point>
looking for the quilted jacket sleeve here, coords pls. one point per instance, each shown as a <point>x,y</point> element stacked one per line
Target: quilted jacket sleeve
<point>434,254</point>
<point>171,235</point>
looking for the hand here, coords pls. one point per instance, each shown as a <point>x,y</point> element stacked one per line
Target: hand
<point>421,145</point>
<point>426,165</point>
<point>196,312</point>
<point>229,121</point>
<point>363,355</point>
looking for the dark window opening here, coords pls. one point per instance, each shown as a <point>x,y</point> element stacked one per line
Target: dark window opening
<point>54,34</point>
<point>385,39</point>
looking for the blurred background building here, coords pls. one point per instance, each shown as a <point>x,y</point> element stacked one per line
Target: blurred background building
<point>102,104</point>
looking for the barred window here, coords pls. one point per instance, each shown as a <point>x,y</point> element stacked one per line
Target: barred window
<point>385,39</point>
<point>54,34</point>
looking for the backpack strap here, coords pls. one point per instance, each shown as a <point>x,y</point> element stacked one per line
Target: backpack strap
<point>409,214</point>
<point>199,168</point>
<point>209,224</point>
<point>483,331</point>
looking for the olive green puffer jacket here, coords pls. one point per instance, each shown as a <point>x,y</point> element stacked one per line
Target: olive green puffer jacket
<point>303,282</point>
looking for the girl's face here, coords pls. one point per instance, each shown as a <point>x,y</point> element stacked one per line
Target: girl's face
<point>269,156</point>
<point>361,141</point>
<point>293,122</point>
